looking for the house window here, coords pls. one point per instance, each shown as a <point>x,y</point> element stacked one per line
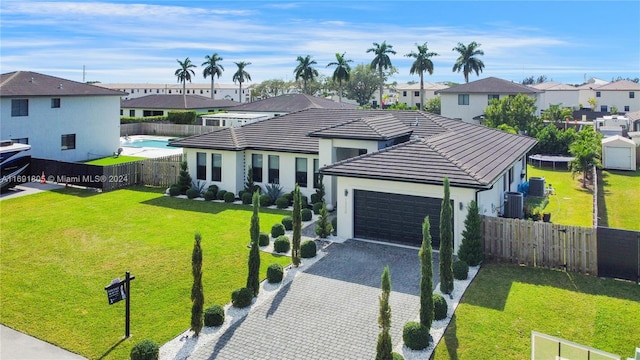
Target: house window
<point>492,97</point>
<point>55,102</point>
<point>132,113</point>
<point>201,166</point>
<point>597,93</point>
<point>256,165</point>
<point>463,99</point>
<point>603,108</point>
<point>404,93</point>
<point>21,141</point>
<point>68,142</point>
<point>416,93</point>
<point>316,173</point>
<point>216,167</point>
<point>274,169</point>
<point>632,95</point>
<point>121,112</point>
<point>146,113</point>
<point>19,107</point>
<point>626,108</point>
<point>301,172</point>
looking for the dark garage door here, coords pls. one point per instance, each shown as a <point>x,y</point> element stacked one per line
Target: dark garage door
<point>395,218</point>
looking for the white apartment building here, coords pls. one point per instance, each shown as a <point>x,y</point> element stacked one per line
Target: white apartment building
<point>221,91</point>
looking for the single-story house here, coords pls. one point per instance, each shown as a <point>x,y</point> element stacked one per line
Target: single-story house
<point>383,170</point>
<point>160,105</point>
<point>618,153</point>
<point>288,103</point>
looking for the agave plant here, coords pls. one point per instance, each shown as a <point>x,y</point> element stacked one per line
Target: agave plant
<point>273,191</point>
<point>199,186</point>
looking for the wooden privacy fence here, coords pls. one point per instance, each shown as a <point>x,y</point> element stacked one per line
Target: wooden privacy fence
<point>161,171</point>
<point>540,244</point>
<point>159,129</point>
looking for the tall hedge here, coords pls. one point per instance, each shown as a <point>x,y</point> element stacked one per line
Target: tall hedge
<point>182,117</point>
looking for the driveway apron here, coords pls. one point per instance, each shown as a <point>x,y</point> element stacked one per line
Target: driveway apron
<point>330,311</point>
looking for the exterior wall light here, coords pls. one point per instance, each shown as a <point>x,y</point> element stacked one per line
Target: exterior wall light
<point>346,192</point>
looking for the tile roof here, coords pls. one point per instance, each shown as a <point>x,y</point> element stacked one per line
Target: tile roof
<point>289,103</point>
<point>416,86</point>
<point>376,127</point>
<point>633,116</point>
<point>28,83</point>
<point>490,85</point>
<point>621,85</point>
<point>160,101</point>
<point>553,86</point>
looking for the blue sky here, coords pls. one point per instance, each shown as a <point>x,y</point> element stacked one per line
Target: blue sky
<point>139,42</point>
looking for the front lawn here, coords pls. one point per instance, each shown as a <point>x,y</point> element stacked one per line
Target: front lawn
<point>571,204</point>
<point>113,160</point>
<point>620,199</point>
<point>505,303</point>
<point>61,248</point>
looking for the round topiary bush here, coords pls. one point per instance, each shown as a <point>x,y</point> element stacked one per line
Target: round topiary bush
<point>415,335</point>
<point>277,230</point>
<point>174,190</point>
<point>305,200</point>
<point>242,297</point>
<point>209,195</point>
<point>282,203</point>
<point>263,240</point>
<point>460,270</point>
<point>247,198</point>
<point>306,214</point>
<point>282,244</point>
<point>317,207</point>
<point>308,249</point>
<point>439,307</point>
<point>145,350</point>
<point>220,195</point>
<point>314,198</point>
<point>287,221</point>
<point>265,200</point>
<point>275,273</point>
<point>192,193</point>
<point>213,188</point>
<point>240,193</point>
<point>229,197</point>
<point>214,315</point>
<point>289,197</point>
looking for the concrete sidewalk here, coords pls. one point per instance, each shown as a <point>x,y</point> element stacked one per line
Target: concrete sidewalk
<point>28,189</point>
<point>15,345</point>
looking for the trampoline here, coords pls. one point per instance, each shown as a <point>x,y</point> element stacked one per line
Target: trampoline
<point>553,159</point>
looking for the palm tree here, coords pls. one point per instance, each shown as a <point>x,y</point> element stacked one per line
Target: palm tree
<point>212,69</point>
<point>305,71</point>
<point>241,76</point>
<point>381,61</point>
<point>342,71</point>
<point>420,65</point>
<point>184,74</point>
<point>467,61</point>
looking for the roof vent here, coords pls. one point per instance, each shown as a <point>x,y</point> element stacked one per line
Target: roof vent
<point>31,80</point>
<point>60,86</point>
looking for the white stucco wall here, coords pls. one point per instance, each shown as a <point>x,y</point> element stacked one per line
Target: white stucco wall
<point>568,98</point>
<point>232,168</point>
<point>477,105</point>
<point>619,99</point>
<point>95,120</point>
<point>287,170</point>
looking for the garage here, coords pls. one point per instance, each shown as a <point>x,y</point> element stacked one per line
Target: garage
<point>394,217</point>
<point>618,153</point>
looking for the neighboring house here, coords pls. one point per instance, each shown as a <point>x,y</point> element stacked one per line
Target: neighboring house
<point>634,116</point>
<point>554,93</point>
<point>230,119</point>
<point>288,103</point>
<point>468,102</point>
<point>160,105</point>
<point>623,95</point>
<point>409,94</point>
<point>222,91</point>
<point>61,119</point>
<point>383,169</point>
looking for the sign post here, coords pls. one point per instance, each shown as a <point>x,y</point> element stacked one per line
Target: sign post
<point>118,290</point>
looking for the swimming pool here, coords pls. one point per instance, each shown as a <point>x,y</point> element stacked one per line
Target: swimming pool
<point>140,141</point>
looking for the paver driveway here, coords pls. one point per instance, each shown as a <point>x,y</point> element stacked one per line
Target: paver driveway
<point>330,311</point>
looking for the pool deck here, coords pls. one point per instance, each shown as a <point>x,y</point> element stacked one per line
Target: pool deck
<point>148,152</point>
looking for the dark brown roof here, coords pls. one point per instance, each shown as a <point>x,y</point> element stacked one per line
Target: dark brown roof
<point>289,103</point>
<point>28,83</point>
<point>376,127</point>
<point>490,85</point>
<point>158,101</point>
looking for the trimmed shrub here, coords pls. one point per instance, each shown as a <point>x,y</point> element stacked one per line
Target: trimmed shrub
<point>316,208</point>
<point>247,198</point>
<point>263,239</point>
<point>306,214</point>
<point>289,197</point>
<point>282,203</point>
<point>315,199</point>
<point>334,224</point>
<point>240,193</point>
<point>305,201</point>
<point>396,356</point>
<point>209,195</point>
<point>277,230</point>
<point>192,193</point>
<point>308,249</point>
<point>229,197</point>
<point>265,200</point>
<point>460,270</point>
<point>145,350</point>
<point>274,273</point>
<point>220,195</point>
<point>214,315</point>
<point>287,221</point>
<point>415,335</point>
<point>181,117</point>
<point>174,190</point>
<point>439,307</point>
<point>214,189</point>
<point>282,244</point>
<point>242,297</point>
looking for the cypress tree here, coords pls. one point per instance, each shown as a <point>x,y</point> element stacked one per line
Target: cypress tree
<point>249,185</point>
<point>253,278</point>
<point>297,226</point>
<point>324,227</point>
<point>320,192</point>
<point>384,348</point>
<point>471,250</point>
<point>184,179</point>
<point>426,276</point>
<point>197,294</point>
<point>446,242</point>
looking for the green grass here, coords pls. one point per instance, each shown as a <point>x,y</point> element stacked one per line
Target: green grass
<point>619,197</point>
<point>112,160</point>
<point>505,303</point>
<point>61,248</point>
<point>571,204</point>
